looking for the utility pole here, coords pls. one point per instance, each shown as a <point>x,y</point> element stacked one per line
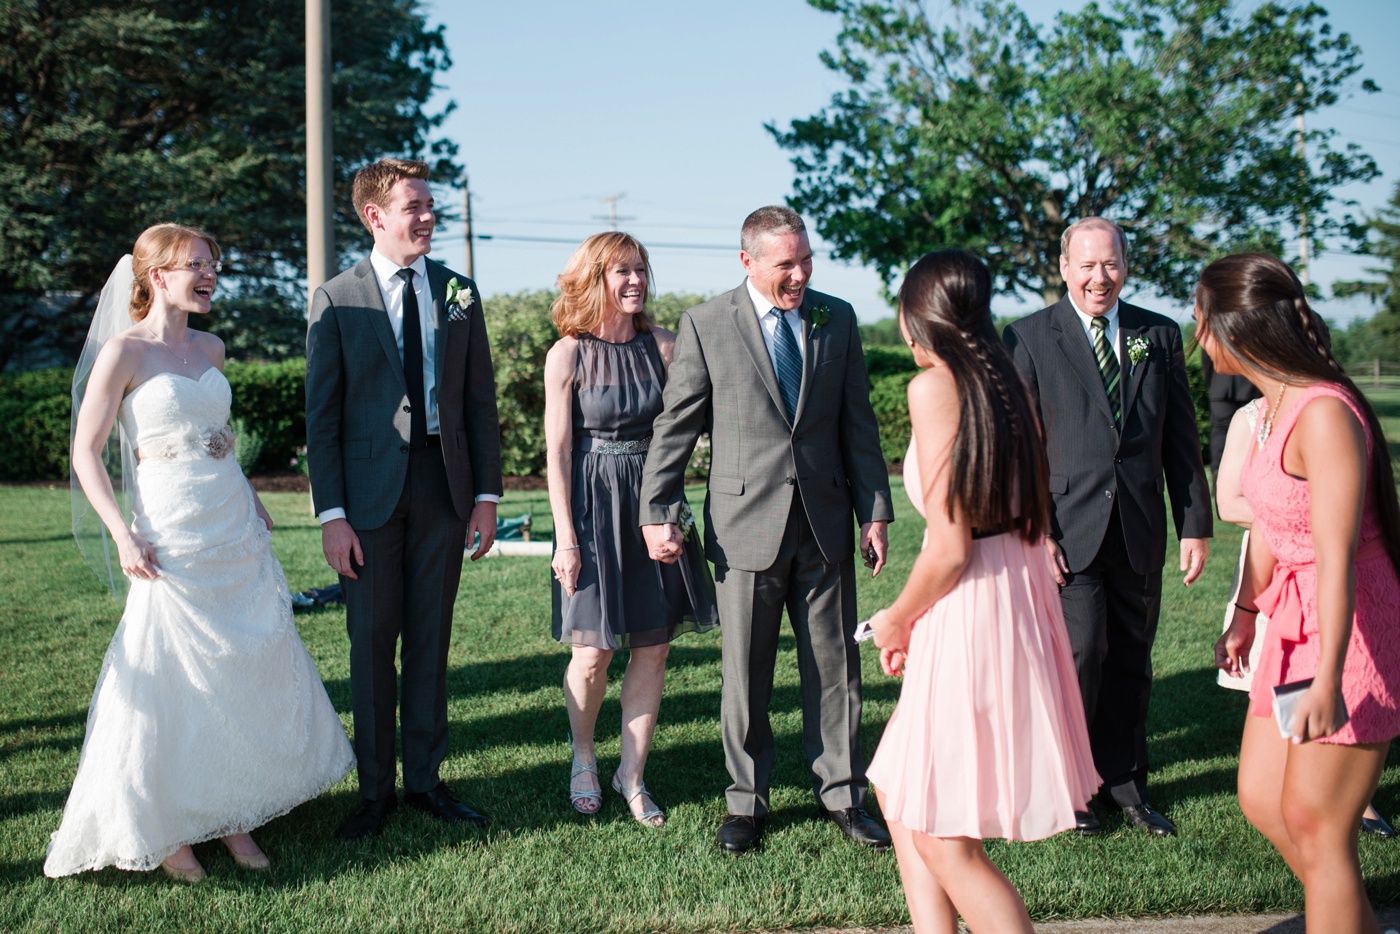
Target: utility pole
<point>320,154</point>
<point>612,217</point>
<point>467,219</point>
<point>1304,243</point>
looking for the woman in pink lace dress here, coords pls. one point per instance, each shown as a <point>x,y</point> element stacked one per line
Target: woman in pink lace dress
<point>1322,564</point>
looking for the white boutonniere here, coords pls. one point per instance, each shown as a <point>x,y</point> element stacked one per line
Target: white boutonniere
<point>821,315</point>
<point>1137,350</point>
<point>459,300</point>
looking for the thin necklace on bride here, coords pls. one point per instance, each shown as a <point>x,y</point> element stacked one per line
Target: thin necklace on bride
<point>1266,424</point>
<point>184,358</point>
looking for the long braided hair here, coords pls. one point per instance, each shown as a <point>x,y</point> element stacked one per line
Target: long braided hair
<point>1255,307</point>
<point>998,456</point>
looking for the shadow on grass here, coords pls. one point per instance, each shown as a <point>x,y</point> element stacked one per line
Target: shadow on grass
<point>55,734</point>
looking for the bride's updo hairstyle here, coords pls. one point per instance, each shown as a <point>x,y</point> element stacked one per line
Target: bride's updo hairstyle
<point>999,476</point>
<point>163,246</point>
<point>1255,308</point>
<point>582,304</point>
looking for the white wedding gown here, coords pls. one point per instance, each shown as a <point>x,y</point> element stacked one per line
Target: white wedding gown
<point>209,717</point>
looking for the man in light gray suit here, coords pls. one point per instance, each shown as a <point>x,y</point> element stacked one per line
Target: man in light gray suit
<point>775,373</point>
<point>404,447</point>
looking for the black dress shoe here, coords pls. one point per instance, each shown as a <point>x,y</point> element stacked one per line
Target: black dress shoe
<point>1377,826</point>
<point>368,819</point>
<point>859,826</point>
<point>1086,824</point>
<point>739,833</point>
<point>1150,819</point>
<point>440,804</point>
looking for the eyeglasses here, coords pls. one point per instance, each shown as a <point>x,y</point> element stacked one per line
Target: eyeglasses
<point>201,266</point>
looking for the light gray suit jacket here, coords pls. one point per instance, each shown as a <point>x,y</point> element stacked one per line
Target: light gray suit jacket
<point>721,380</point>
<point>357,418</point>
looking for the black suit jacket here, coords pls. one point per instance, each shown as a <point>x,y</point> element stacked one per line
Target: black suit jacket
<point>1092,463</point>
<point>357,418</point>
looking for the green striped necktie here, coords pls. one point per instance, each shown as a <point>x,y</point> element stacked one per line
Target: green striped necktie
<point>1108,367</point>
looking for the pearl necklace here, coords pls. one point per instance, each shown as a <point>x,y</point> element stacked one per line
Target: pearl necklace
<point>184,359</point>
<point>1266,424</point>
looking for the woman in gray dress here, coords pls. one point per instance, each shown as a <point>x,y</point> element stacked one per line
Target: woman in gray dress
<point>603,385</point>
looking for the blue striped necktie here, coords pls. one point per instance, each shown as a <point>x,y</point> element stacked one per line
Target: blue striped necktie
<point>788,364</point>
<point>1108,366</point>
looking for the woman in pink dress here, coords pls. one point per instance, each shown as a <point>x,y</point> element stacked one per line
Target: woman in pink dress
<point>989,737</point>
<point>1322,565</point>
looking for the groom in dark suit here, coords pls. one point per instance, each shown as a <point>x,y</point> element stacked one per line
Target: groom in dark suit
<point>1118,417</point>
<point>404,447</point>
<point>775,373</point>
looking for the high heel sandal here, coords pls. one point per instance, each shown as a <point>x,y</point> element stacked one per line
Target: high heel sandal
<point>652,818</point>
<point>586,803</point>
<point>192,875</point>
<point>256,862</point>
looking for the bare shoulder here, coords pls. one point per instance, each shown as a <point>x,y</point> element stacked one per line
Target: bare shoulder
<point>1329,420</point>
<point>933,400</point>
<point>211,344</point>
<point>665,343</point>
<point>559,361</point>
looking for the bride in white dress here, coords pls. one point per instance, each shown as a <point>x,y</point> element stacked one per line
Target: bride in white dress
<point>209,717</point>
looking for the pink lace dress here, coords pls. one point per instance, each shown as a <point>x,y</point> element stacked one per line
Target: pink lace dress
<point>1282,514</point>
<point>989,737</point>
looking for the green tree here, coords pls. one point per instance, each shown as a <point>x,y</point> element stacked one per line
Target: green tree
<point>120,116</point>
<point>1382,331</point>
<point>1173,117</point>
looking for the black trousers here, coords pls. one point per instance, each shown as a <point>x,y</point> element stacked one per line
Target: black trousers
<point>1111,613</point>
<point>406,589</point>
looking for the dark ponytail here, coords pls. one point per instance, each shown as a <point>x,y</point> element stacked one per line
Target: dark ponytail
<point>998,456</point>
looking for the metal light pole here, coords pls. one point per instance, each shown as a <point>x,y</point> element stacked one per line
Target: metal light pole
<point>320,189</point>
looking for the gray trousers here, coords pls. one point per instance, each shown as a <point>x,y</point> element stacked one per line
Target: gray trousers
<point>406,589</point>
<point>820,599</point>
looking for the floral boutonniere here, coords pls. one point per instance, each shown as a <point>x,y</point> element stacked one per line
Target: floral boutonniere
<point>821,316</point>
<point>459,300</point>
<point>1137,350</point>
<point>687,518</point>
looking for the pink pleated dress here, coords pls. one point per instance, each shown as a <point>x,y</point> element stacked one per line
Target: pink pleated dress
<point>1282,514</point>
<point>988,739</point>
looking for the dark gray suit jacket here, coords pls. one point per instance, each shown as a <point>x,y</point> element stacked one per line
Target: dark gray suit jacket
<point>721,380</point>
<point>357,420</point>
<point>1092,463</point>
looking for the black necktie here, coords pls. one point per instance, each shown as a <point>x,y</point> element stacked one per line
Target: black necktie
<point>413,362</point>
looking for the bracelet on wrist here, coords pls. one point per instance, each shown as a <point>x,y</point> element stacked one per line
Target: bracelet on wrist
<point>1244,609</point>
<point>567,548</point>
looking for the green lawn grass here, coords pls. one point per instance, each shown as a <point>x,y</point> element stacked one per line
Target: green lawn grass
<point>542,868</point>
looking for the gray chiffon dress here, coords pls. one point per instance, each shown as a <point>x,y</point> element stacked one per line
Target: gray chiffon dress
<point>624,599</point>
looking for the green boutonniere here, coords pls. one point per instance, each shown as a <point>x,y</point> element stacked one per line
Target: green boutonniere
<point>458,296</point>
<point>821,316</point>
<point>1137,349</point>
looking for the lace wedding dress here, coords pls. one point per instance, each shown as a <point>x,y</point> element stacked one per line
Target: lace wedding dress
<point>209,717</point>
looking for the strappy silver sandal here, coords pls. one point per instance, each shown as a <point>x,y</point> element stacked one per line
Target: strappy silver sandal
<point>585,802</point>
<point>652,818</point>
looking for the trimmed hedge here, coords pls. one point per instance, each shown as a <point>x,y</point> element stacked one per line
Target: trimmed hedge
<point>269,401</point>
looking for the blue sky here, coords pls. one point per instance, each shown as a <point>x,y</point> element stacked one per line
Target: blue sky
<point>561,104</point>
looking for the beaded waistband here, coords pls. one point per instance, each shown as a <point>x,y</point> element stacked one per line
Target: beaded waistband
<point>605,446</point>
<point>216,443</point>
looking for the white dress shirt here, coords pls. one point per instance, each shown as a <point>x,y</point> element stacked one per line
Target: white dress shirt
<point>391,289</point>
<point>1110,333</point>
<point>793,319</point>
